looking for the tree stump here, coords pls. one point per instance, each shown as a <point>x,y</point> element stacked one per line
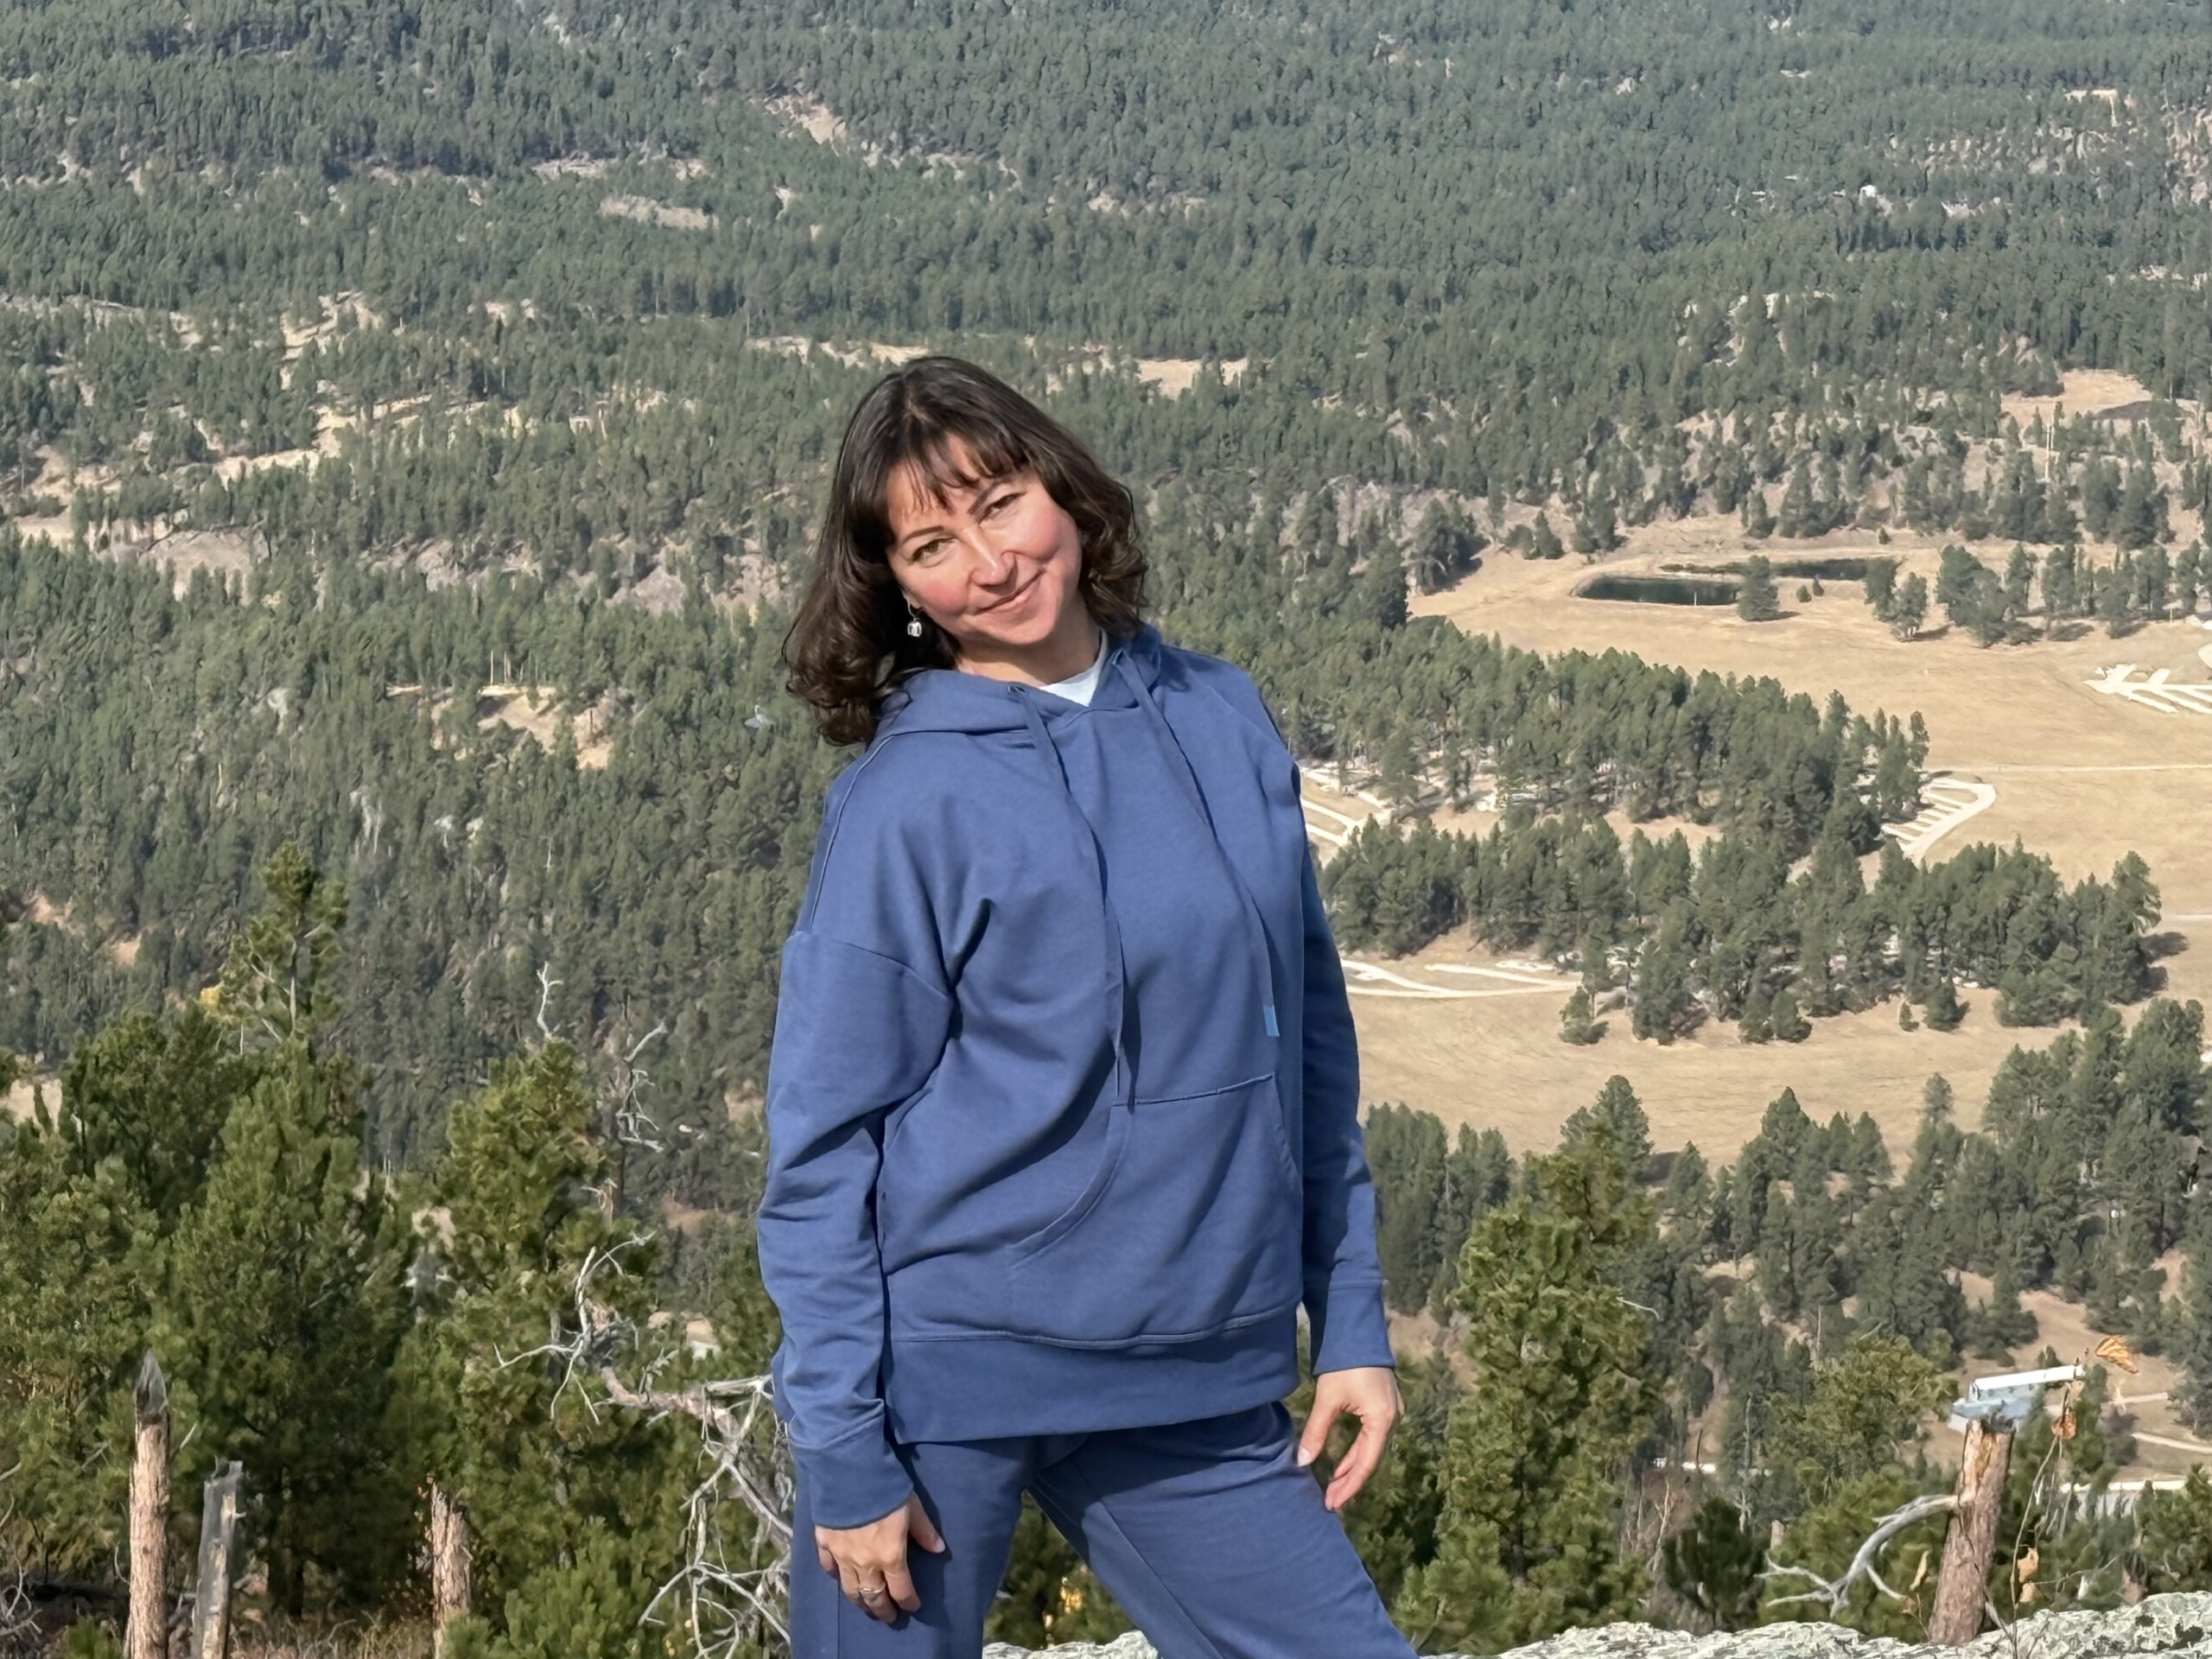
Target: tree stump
<point>147,1635</point>
<point>449,1586</point>
<point>1971,1543</point>
<point>219,1514</point>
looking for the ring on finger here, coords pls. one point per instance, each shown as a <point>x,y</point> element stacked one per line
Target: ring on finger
<point>871,1593</point>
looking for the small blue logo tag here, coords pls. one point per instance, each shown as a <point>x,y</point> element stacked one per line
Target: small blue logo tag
<point>1272,1032</point>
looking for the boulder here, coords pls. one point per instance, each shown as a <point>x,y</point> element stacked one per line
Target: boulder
<point>2160,1624</point>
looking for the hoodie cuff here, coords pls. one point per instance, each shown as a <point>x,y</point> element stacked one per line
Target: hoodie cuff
<point>854,1481</point>
<point>1351,1330</point>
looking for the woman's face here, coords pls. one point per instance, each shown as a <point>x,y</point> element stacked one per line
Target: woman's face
<point>997,565</point>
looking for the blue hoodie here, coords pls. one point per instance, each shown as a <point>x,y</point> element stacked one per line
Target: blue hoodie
<point>1061,1102</point>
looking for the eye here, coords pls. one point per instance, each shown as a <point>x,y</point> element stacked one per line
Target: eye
<point>1011,495</point>
<point>927,552</point>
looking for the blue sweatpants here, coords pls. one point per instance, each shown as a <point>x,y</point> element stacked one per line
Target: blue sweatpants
<point>1207,1533</point>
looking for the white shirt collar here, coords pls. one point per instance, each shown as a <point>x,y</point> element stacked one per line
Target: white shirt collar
<point>1082,687</point>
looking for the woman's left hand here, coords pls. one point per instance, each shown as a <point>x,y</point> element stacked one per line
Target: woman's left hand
<point>1368,1393</point>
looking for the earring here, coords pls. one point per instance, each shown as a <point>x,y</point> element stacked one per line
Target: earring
<point>914,621</point>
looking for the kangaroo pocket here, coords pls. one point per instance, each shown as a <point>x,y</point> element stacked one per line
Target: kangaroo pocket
<point>1190,1222</point>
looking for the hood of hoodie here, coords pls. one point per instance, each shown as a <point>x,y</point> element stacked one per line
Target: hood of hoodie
<point>951,700</point>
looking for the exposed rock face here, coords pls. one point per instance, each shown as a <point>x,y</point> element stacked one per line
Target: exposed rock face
<point>2161,1625</point>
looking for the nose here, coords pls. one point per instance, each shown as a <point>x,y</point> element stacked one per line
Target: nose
<point>994,563</point>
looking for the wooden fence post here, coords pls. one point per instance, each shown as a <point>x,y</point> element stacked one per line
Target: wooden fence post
<point>210,1604</point>
<point>147,1636</point>
<point>1970,1543</point>
<point>449,1585</point>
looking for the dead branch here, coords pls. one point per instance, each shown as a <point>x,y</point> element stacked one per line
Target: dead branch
<point>729,1596</point>
<point>545,984</point>
<point>19,1631</point>
<point>633,1125</point>
<point>726,1603</point>
<point>1835,1591</point>
<point>593,1336</point>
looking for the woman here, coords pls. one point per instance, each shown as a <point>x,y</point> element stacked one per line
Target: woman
<point>1060,1107</point>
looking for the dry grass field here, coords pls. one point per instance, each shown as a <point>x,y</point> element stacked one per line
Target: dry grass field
<point>2080,775</point>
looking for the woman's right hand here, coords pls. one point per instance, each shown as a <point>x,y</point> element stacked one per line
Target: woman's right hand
<point>869,1563</point>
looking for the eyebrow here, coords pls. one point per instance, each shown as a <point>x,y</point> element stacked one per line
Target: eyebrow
<point>981,487</point>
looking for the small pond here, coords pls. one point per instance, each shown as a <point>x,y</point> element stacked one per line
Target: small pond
<point>1659,590</point>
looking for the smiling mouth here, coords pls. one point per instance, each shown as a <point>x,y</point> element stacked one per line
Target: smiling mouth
<point>1015,596</point>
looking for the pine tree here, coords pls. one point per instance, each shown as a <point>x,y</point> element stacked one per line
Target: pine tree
<point>1382,588</point>
<point>2176,1533</point>
<point>2190,577</point>
<point>1528,1540</point>
<point>1756,598</point>
<point>1945,1009</point>
<point>2191,1342</point>
<point>1444,546</point>
<point>1575,1024</point>
<point>1619,1115</point>
<point>1908,610</point>
<point>1544,543</point>
<point>2100,496</point>
<point>2000,1325</point>
<point>1713,1564</point>
<point>287,1305</point>
<point>574,1506</point>
<point>1595,527</point>
<point>1800,515</point>
<point>1756,517</point>
<point>2140,517</point>
<point>2116,602</point>
<point>2154,580</point>
<point>1407,1153</point>
<point>2019,582</point>
<point>1880,585</point>
<point>2060,599</point>
<point>1663,1003</point>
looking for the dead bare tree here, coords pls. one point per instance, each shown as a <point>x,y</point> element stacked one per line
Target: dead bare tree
<point>633,1126</point>
<point>628,1123</point>
<point>729,1593</point>
<point>1968,1546</point>
<point>211,1601</point>
<point>545,984</point>
<point>449,1563</point>
<point>147,1634</point>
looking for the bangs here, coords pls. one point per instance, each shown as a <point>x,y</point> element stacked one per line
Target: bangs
<point>937,460</point>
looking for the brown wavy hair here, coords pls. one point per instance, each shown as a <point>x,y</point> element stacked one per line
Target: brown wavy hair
<point>848,648</point>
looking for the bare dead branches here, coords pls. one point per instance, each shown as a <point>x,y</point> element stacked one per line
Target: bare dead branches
<point>731,1584</point>
<point>594,1335</point>
<point>19,1631</point>
<point>545,984</point>
<point>725,1602</point>
<point>633,1126</point>
<point>1834,1593</point>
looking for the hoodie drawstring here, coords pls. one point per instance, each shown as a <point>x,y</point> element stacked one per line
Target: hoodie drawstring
<point>1256,930</point>
<point>1125,1082</point>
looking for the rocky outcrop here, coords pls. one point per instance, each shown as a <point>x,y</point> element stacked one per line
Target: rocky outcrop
<point>2161,1625</point>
